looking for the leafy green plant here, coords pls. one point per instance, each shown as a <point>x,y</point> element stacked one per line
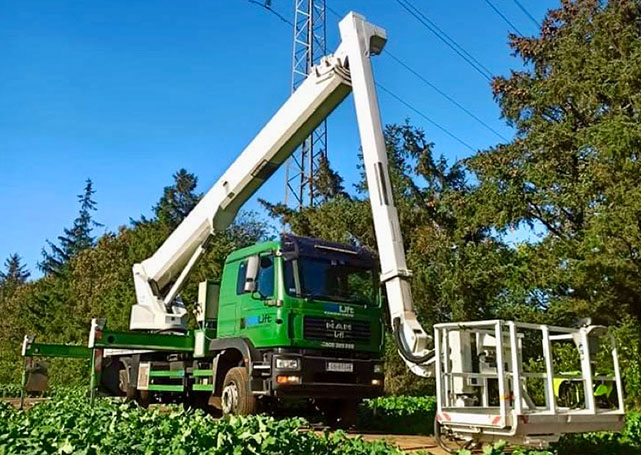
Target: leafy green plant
<point>68,424</point>
<point>9,390</point>
<point>13,390</point>
<point>399,414</point>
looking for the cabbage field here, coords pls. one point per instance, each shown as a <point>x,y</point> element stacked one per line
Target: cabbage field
<point>70,425</point>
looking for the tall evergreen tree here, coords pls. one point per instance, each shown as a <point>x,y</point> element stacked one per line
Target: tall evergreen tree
<point>178,199</point>
<point>327,183</point>
<point>75,239</point>
<point>15,272</point>
<point>573,169</point>
<point>14,275</point>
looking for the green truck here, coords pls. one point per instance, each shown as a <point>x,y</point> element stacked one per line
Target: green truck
<point>295,318</point>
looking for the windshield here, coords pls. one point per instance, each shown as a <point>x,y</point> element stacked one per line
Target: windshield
<point>330,279</point>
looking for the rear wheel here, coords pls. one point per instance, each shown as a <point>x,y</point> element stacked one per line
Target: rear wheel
<point>236,397</point>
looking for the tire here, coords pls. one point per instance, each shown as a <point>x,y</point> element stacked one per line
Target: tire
<point>236,396</point>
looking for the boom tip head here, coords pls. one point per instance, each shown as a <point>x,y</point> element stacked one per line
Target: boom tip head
<point>377,35</point>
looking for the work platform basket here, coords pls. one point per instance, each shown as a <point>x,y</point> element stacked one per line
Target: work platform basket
<point>525,383</point>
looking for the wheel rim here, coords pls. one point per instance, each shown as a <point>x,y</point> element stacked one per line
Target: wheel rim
<point>230,398</point>
<point>123,381</point>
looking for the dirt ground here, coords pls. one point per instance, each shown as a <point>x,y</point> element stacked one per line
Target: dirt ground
<point>408,443</point>
<point>28,402</point>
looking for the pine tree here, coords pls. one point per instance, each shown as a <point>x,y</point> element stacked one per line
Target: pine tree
<point>178,199</point>
<point>75,239</point>
<point>15,272</point>
<point>14,275</point>
<point>328,183</point>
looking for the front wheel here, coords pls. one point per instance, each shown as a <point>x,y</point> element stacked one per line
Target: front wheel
<point>236,397</point>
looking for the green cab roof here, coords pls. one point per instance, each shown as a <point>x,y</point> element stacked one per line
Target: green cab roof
<point>261,247</point>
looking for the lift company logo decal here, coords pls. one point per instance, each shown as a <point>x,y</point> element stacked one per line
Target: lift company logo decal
<point>257,319</point>
<point>345,310</point>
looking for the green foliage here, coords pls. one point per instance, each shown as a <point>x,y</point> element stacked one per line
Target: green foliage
<point>13,391</point>
<point>402,405</point>
<point>328,184</point>
<point>14,275</point>
<point>399,414</point>
<point>9,390</point>
<point>572,172</point>
<point>15,272</point>
<point>68,424</point>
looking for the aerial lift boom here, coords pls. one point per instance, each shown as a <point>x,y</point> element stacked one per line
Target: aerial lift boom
<point>159,278</point>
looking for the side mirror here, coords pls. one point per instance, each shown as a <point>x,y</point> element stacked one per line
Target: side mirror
<point>251,273</point>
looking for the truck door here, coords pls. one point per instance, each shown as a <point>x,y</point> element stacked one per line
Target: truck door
<point>257,309</point>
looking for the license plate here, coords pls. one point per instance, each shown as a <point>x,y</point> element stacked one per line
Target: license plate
<point>340,367</point>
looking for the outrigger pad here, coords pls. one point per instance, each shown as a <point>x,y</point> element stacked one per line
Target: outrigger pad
<point>37,377</point>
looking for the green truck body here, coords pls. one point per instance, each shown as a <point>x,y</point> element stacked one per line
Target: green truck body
<point>296,318</point>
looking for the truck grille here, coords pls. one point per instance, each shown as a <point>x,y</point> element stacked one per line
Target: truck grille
<point>315,328</point>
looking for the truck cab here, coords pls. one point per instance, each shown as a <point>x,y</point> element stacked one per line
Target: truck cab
<point>302,316</point>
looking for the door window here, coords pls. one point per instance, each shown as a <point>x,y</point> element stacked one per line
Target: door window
<point>240,280</point>
<point>266,276</point>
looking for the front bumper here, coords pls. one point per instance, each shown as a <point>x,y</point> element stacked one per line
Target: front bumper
<point>317,382</point>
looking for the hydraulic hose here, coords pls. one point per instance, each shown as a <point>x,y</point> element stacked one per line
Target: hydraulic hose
<point>403,349</point>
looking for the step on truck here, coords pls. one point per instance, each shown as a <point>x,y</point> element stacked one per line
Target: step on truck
<point>301,316</point>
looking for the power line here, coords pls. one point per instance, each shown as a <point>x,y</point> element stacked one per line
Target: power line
<point>267,5</point>
<point>432,86</point>
<point>497,11</point>
<point>409,106</point>
<point>333,11</point>
<point>527,13</point>
<point>443,94</point>
<point>405,103</point>
<point>445,38</point>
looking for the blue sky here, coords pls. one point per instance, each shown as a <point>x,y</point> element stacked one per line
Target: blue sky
<point>127,92</point>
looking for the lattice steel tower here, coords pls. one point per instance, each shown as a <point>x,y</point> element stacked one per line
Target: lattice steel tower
<point>309,46</point>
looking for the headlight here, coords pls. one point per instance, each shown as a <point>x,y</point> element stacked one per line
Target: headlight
<point>378,368</point>
<point>287,364</point>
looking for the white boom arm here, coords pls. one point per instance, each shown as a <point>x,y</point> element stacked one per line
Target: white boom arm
<point>159,278</point>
